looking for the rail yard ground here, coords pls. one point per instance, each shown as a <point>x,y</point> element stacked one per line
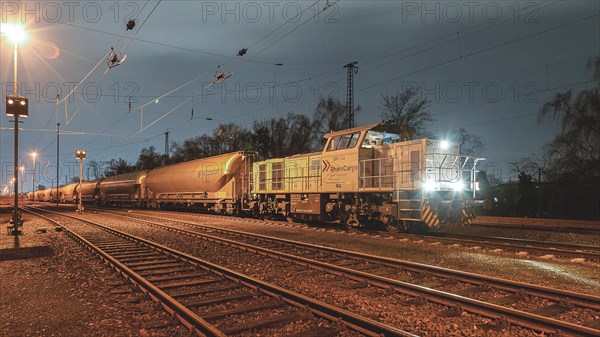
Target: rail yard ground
<point>54,287</point>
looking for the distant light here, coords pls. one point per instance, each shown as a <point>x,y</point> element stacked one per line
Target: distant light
<point>14,32</point>
<point>444,144</point>
<point>495,199</point>
<point>156,101</point>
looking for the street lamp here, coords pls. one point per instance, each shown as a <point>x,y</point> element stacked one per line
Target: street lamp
<point>80,154</point>
<point>33,155</point>
<point>15,107</point>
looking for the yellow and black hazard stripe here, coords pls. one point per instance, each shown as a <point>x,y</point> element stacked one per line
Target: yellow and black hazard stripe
<point>467,216</point>
<point>429,217</point>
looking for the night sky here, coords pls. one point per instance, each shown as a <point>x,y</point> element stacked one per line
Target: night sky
<point>485,66</point>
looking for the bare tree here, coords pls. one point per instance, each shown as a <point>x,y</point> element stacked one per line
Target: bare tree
<point>535,165</point>
<point>406,108</point>
<point>330,115</point>
<point>97,171</point>
<point>118,166</point>
<point>576,151</point>
<point>469,144</point>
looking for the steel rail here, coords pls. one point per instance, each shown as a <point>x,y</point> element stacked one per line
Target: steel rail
<point>514,316</point>
<point>351,320</point>
<point>561,228</point>
<point>591,253</point>
<point>172,306</point>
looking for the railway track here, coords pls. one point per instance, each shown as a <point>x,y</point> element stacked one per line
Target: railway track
<point>496,244</point>
<point>562,226</point>
<point>549,310</point>
<point>212,300</point>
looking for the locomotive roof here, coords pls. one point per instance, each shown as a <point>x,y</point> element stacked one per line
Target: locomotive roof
<point>346,131</point>
<point>381,127</point>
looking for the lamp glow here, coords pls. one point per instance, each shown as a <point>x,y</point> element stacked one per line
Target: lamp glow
<point>14,32</point>
<point>444,144</point>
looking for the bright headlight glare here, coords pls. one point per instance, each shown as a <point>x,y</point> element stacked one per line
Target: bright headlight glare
<point>429,185</point>
<point>458,186</point>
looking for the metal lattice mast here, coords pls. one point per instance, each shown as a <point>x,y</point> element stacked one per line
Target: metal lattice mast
<point>352,69</point>
<point>167,143</point>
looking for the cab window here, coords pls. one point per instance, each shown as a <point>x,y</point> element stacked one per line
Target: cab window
<point>343,142</point>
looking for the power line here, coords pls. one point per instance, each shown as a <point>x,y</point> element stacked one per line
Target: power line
<point>197,78</point>
<point>110,52</point>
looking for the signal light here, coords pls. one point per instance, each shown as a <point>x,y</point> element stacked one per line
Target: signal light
<point>17,106</point>
<point>80,154</point>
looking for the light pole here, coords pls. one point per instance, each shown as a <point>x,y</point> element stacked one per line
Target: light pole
<point>16,107</point>
<point>80,154</point>
<point>22,168</point>
<point>33,155</point>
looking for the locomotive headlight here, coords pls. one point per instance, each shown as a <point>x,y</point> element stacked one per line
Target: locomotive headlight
<point>458,186</point>
<point>444,144</point>
<point>429,185</point>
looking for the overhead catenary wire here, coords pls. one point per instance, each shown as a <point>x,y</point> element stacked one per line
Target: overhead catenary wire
<point>231,58</point>
<point>109,53</point>
<point>371,61</point>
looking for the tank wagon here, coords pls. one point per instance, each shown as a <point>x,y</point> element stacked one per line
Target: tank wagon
<point>370,173</point>
<point>88,191</point>
<point>40,195</point>
<point>216,183</point>
<point>123,189</point>
<point>66,194</point>
<point>51,195</point>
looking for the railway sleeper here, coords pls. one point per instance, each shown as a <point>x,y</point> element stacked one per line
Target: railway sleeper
<point>154,264</point>
<point>138,259</point>
<point>220,299</point>
<point>552,309</point>
<point>165,271</point>
<point>267,322</point>
<point>211,316</point>
<point>206,290</point>
<point>190,283</point>
<point>472,291</point>
<point>356,285</point>
<point>419,300</point>
<point>315,332</point>
<point>453,311</point>
<point>176,277</point>
<point>125,256</point>
<point>124,251</point>
<point>593,323</point>
<point>506,299</point>
<point>495,324</point>
<point>115,246</point>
